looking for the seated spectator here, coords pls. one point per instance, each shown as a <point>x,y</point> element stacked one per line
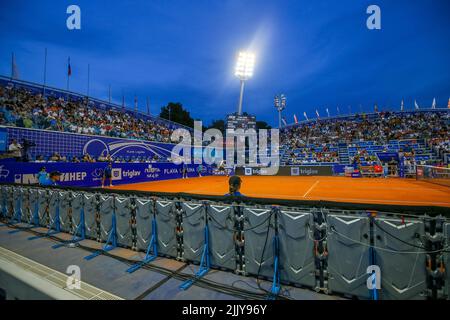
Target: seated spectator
<point>15,150</point>
<point>52,180</point>
<point>234,184</point>
<point>40,158</point>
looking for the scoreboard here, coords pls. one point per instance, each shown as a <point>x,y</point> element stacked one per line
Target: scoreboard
<point>235,122</point>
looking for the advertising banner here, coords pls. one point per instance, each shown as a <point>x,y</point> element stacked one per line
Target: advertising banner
<point>90,174</point>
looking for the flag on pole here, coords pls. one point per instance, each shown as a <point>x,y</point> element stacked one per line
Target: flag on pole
<point>135,104</point>
<point>328,113</point>
<point>306,117</point>
<point>69,68</point>
<point>317,113</point>
<point>284,121</point>
<point>123,102</point>
<point>295,119</point>
<point>402,106</point>
<point>416,105</point>
<point>375,108</point>
<point>148,107</point>
<point>14,69</point>
<point>433,106</point>
<point>338,111</point>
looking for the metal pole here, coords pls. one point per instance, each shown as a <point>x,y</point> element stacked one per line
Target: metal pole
<point>88,80</point>
<point>279,119</point>
<point>45,71</point>
<point>241,96</point>
<point>12,65</point>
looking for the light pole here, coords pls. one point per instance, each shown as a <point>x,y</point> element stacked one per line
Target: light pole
<point>244,71</point>
<point>280,105</point>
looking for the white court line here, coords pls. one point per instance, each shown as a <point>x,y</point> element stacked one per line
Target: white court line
<point>310,189</point>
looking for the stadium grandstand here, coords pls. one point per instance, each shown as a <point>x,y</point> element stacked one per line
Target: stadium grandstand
<point>101,201</point>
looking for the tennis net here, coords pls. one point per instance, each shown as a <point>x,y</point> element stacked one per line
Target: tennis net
<point>437,175</point>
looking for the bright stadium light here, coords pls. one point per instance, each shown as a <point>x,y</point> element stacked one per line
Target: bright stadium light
<point>244,71</point>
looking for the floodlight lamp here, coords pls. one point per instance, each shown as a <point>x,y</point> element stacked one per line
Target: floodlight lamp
<point>245,65</point>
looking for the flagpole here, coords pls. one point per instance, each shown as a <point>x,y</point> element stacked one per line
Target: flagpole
<point>68,76</point>
<point>12,64</point>
<point>88,80</point>
<point>148,107</point>
<point>45,71</point>
<point>123,101</point>
<point>109,95</point>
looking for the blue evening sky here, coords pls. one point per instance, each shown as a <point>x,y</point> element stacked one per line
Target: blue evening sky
<point>319,53</point>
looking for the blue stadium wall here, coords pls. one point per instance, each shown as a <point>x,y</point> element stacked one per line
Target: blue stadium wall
<point>71,144</point>
<point>89,174</point>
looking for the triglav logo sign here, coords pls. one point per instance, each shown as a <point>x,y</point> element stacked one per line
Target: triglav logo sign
<point>130,173</point>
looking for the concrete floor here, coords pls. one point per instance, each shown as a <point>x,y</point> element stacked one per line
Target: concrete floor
<point>108,273</point>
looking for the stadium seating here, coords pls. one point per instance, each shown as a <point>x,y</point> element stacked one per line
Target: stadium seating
<point>22,107</point>
<point>422,137</point>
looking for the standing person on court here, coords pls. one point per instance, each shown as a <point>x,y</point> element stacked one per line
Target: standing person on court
<point>222,167</point>
<point>185,170</point>
<point>234,184</point>
<point>386,169</point>
<point>199,170</point>
<point>107,174</point>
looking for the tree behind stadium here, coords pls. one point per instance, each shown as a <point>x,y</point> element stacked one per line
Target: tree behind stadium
<point>175,112</point>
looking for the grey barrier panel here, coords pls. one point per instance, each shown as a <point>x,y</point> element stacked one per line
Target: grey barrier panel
<point>77,208</point>
<point>193,230</point>
<point>53,206</point>
<point>43,210</point>
<point>297,263</point>
<point>258,251</point>
<point>27,207</point>
<point>3,199</point>
<point>90,210</point>
<point>447,259</point>
<point>123,217</point>
<point>106,216</point>
<point>17,200</point>
<point>34,202</point>
<point>66,211</point>
<point>348,255</point>
<point>25,203</point>
<point>144,216</point>
<point>165,220</point>
<point>403,273</point>
<point>221,242</point>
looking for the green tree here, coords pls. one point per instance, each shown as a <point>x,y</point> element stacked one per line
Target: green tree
<point>262,125</point>
<point>175,112</point>
<point>218,124</point>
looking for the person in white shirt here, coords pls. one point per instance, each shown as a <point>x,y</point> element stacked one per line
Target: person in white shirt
<point>15,149</point>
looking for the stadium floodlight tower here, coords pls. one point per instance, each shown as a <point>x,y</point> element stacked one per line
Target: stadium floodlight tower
<point>244,71</point>
<point>280,105</point>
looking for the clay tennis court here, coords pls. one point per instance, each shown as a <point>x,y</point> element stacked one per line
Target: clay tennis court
<point>340,189</point>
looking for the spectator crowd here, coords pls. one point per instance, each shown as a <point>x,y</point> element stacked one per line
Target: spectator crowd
<point>21,108</point>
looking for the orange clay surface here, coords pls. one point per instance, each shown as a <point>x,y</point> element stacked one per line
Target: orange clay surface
<point>340,189</point>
